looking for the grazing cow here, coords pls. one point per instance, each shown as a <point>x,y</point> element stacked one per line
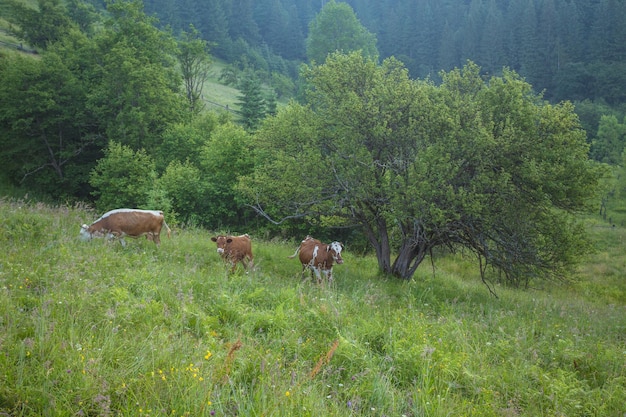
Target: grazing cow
<point>127,222</point>
<point>319,257</point>
<point>235,249</point>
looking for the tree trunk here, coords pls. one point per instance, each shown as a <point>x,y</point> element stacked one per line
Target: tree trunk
<point>408,259</point>
<point>415,246</point>
<point>380,241</point>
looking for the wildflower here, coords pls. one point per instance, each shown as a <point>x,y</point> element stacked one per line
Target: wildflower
<point>287,394</point>
<point>208,355</point>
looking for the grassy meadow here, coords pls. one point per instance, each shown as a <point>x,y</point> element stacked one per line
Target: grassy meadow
<point>94,329</point>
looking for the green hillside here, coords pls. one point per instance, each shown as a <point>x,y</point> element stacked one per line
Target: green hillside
<point>90,328</point>
<point>218,96</point>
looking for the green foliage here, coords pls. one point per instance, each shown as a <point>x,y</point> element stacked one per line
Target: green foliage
<point>123,178</point>
<point>42,26</point>
<point>91,328</point>
<point>252,108</point>
<point>224,158</point>
<point>183,141</point>
<point>193,57</point>
<point>337,29</point>
<point>283,85</point>
<point>45,129</point>
<point>202,186</point>
<point>122,84</point>
<point>610,141</point>
<point>137,86</point>
<point>419,167</point>
<point>184,186</point>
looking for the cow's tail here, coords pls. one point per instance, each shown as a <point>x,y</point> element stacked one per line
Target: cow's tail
<point>295,253</point>
<point>169,231</point>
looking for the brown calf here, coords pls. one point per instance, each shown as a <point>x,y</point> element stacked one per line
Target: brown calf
<point>235,249</point>
<point>319,257</point>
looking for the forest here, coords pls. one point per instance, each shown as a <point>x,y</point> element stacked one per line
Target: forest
<point>405,128</point>
<point>571,49</point>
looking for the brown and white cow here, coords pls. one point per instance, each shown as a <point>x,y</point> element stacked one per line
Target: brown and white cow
<point>235,249</point>
<point>319,257</point>
<point>127,222</point>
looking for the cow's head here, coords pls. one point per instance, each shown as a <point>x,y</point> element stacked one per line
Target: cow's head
<point>335,251</point>
<point>221,241</point>
<point>84,233</point>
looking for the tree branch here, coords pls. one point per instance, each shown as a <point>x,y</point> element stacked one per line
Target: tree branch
<point>257,207</point>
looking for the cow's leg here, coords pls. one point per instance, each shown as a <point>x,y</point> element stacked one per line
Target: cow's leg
<point>247,263</point>
<point>318,275</point>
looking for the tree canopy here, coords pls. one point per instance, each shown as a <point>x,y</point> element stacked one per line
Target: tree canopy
<point>488,166</point>
<point>336,28</point>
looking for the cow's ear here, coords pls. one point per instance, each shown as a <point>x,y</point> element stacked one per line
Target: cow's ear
<point>214,239</point>
<point>84,226</point>
<point>229,240</point>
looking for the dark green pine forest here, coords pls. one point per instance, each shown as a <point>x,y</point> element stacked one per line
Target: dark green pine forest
<point>571,49</point>
<point>400,126</point>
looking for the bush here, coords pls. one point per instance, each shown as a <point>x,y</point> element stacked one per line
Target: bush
<point>123,178</point>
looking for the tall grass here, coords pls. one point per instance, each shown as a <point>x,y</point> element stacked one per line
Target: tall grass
<point>94,329</point>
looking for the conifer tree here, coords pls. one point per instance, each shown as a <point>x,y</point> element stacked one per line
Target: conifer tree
<point>251,102</point>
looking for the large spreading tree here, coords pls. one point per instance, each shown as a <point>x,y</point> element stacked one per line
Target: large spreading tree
<point>483,165</point>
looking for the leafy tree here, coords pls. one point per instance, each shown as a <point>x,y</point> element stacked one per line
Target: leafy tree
<point>336,28</point>
<point>202,189</point>
<point>610,141</point>
<point>135,92</point>
<point>194,63</point>
<point>488,167</point>
<point>283,85</point>
<point>183,141</point>
<point>123,178</point>
<point>184,186</point>
<point>39,27</point>
<point>44,126</point>
<point>84,14</point>
<point>224,158</point>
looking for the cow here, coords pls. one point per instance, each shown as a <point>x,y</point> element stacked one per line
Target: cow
<point>235,249</point>
<point>319,257</point>
<point>127,222</point>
